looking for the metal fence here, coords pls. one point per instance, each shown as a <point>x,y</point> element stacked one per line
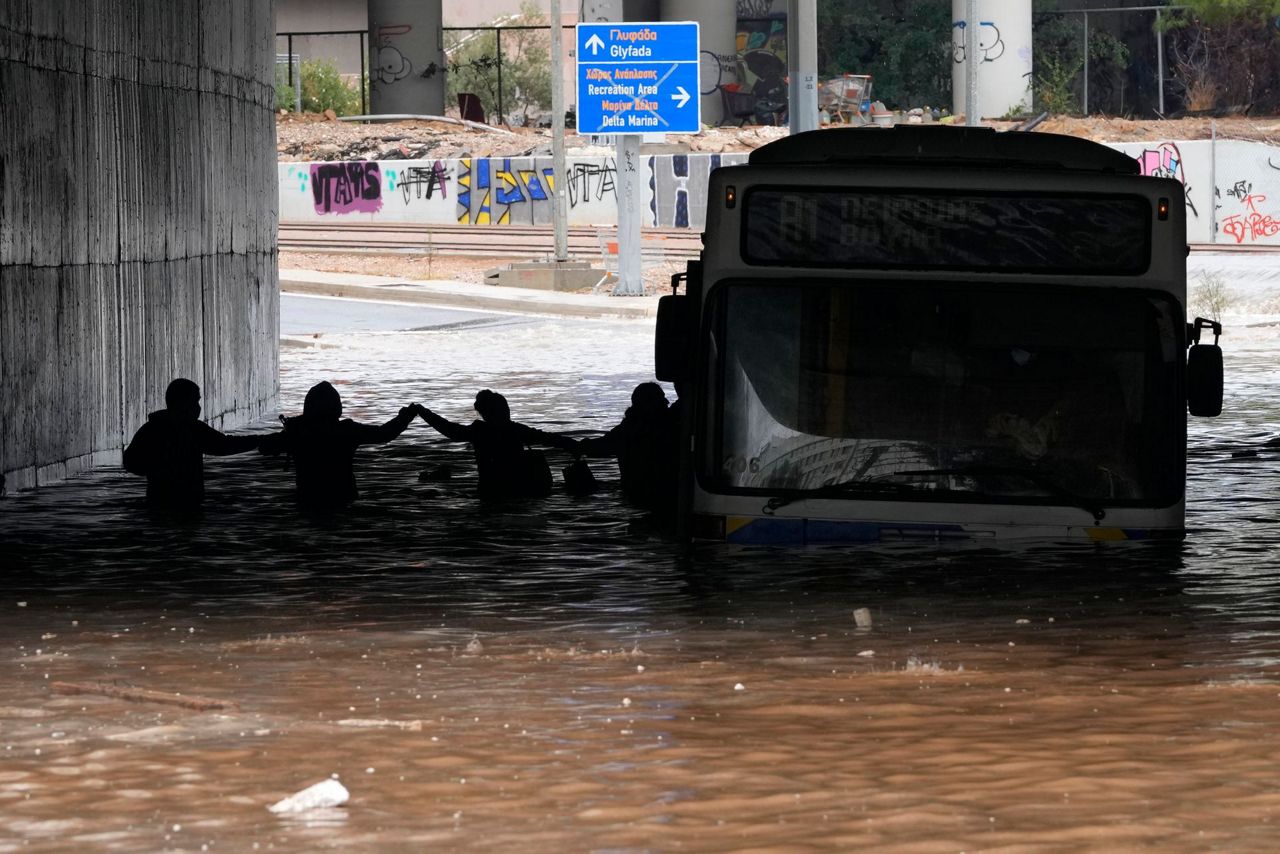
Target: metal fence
<point>1147,63</point>
<point>347,49</point>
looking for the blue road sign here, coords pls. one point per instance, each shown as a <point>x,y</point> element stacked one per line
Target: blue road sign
<point>638,78</point>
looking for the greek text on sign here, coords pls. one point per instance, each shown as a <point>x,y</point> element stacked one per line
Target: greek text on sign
<point>638,78</point>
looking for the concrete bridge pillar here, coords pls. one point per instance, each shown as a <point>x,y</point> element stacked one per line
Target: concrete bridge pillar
<point>137,222</point>
<point>406,62</point>
<point>718,33</point>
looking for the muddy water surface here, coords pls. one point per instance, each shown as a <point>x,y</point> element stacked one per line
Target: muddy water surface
<point>558,677</point>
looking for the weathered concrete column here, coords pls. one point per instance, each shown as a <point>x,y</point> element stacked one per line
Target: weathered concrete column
<point>137,222</point>
<point>717,36</point>
<point>1002,61</point>
<point>406,62</point>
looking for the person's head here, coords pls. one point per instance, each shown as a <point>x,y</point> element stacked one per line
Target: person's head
<point>322,403</point>
<point>182,398</point>
<point>648,397</point>
<point>492,406</point>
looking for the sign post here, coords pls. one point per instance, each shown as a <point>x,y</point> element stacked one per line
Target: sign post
<point>635,78</point>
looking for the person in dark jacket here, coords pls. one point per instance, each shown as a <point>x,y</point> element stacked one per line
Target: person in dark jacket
<point>322,445</point>
<point>169,449</point>
<point>642,443</point>
<point>506,467</point>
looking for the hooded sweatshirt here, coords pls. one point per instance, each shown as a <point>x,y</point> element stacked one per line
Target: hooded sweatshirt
<point>169,451</point>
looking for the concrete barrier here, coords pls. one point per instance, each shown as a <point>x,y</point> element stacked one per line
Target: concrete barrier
<point>1241,178</point>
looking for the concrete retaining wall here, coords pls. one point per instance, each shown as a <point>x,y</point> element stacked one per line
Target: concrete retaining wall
<point>485,191</point>
<point>136,244</point>
<point>496,191</point>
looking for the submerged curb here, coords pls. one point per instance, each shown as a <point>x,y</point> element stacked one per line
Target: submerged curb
<point>460,295</point>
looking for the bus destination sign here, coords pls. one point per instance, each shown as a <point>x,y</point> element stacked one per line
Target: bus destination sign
<point>638,78</point>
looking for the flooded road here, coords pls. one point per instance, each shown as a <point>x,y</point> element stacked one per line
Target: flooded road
<point>555,676</point>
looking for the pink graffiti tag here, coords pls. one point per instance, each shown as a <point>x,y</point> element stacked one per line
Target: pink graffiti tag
<point>1252,225</point>
<point>350,187</point>
<point>1165,161</point>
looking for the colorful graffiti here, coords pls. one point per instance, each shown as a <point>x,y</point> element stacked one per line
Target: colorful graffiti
<point>677,186</point>
<point>1165,161</point>
<point>489,191</point>
<point>348,187</point>
<point>517,190</point>
<point>1250,224</point>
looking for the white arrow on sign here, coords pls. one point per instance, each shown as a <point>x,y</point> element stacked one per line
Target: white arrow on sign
<point>595,43</point>
<point>681,97</point>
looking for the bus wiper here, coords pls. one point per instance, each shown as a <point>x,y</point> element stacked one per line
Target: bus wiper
<point>1030,475</point>
<point>846,487</point>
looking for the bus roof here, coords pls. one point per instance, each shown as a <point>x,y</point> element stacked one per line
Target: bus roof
<point>944,146</point>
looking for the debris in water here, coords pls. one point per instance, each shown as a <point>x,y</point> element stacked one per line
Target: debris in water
<point>626,701</point>
<point>474,647</point>
<point>1021,621</point>
<point>371,723</point>
<point>327,793</point>
<point>862,618</point>
<point>739,687</point>
<point>867,653</point>
<point>142,695</point>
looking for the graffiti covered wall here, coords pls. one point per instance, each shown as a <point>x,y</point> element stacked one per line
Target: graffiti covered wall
<point>1231,187</point>
<point>1243,207</point>
<point>487,191</point>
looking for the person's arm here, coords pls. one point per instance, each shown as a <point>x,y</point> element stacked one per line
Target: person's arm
<point>447,428</point>
<point>607,445</point>
<point>533,436</point>
<point>377,434</point>
<point>274,443</point>
<point>219,444</point>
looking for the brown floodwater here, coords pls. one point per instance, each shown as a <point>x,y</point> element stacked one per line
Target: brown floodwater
<point>557,676</point>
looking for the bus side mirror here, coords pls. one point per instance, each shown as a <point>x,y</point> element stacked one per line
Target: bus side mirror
<point>1204,370</point>
<point>1204,380</point>
<point>672,339</point>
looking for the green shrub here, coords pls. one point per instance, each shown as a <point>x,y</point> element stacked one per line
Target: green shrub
<point>324,89</point>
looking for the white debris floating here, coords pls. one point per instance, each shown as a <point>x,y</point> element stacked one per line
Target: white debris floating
<point>328,793</point>
<point>862,618</point>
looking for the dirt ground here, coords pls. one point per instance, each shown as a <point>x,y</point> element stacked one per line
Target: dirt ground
<point>313,137</point>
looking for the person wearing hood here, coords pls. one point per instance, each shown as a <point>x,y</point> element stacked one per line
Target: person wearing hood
<point>642,442</point>
<point>169,449</point>
<point>507,468</point>
<point>322,445</point>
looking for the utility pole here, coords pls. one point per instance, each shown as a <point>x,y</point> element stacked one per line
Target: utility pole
<point>559,210</point>
<point>972,115</point>
<point>802,61</point>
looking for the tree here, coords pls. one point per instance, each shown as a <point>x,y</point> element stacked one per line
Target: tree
<point>1058,49</point>
<point>1226,53</point>
<point>472,62</point>
<point>904,45</point>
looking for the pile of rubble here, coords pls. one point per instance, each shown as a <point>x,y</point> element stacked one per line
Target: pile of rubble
<point>313,137</point>
<point>316,137</point>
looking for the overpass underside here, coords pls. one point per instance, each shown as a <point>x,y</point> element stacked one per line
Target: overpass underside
<point>137,230</point>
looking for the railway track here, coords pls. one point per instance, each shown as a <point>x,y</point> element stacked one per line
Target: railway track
<point>499,241</point>
<point>520,241</point>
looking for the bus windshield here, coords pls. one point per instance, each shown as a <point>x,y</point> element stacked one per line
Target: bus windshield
<point>983,392</point>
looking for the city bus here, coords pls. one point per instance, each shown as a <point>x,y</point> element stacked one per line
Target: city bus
<point>936,333</point>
